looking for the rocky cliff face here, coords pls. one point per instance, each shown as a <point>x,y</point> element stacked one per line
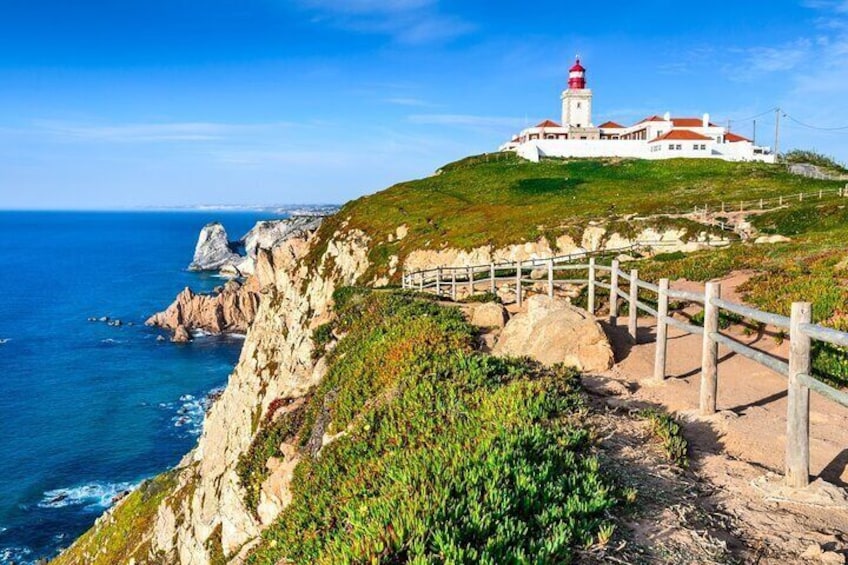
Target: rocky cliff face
<point>206,514</point>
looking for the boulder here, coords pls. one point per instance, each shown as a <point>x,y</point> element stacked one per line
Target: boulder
<point>213,250</point>
<point>488,315</point>
<point>553,331</point>
<point>776,238</point>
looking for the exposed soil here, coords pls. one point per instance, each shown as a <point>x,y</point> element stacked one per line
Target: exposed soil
<point>727,507</point>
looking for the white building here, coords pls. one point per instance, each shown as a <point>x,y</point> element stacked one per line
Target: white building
<point>655,137</point>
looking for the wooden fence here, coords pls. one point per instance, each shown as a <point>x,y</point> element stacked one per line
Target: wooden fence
<point>623,287</point>
<point>727,207</point>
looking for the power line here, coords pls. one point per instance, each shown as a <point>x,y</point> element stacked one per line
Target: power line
<point>810,126</point>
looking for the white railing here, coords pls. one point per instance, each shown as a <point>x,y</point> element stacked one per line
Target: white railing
<point>802,332</point>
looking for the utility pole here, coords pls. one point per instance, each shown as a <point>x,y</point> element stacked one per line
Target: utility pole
<point>755,132</point>
<point>777,132</point>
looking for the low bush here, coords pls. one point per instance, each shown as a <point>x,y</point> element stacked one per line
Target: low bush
<point>670,434</point>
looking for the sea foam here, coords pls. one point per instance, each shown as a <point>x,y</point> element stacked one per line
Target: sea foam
<point>92,496</point>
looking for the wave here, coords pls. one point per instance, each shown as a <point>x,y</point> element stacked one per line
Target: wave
<point>18,555</point>
<point>110,341</point>
<point>192,411</point>
<point>5,340</point>
<point>92,496</point>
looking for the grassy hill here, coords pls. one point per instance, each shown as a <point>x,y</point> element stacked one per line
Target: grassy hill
<point>501,199</point>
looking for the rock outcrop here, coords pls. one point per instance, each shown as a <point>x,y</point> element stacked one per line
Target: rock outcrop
<point>213,250</point>
<point>267,234</point>
<point>553,331</point>
<point>231,309</point>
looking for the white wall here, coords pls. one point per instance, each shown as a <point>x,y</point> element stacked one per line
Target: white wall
<point>534,150</point>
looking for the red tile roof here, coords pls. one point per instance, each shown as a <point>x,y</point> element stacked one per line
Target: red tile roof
<point>733,138</point>
<point>682,134</point>
<point>548,124</point>
<point>610,125</point>
<point>687,122</point>
<point>652,119</point>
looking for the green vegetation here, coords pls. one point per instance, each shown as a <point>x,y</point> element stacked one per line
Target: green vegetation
<point>123,538</point>
<point>482,297</point>
<point>668,431</point>
<point>448,455</point>
<point>815,158</point>
<point>725,319</point>
<point>483,200</point>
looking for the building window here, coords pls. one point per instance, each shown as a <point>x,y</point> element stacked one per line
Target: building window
<point>578,105</point>
<point>679,147</point>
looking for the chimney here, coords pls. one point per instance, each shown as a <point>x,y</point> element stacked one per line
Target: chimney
<point>706,120</point>
<point>667,116</point>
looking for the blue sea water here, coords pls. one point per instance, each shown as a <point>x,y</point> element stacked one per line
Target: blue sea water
<point>88,410</point>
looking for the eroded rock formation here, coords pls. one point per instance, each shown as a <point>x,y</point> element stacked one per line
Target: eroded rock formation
<point>231,309</point>
<point>213,250</point>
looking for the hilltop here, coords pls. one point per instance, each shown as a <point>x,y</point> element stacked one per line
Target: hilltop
<point>365,425</point>
<point>500,200</point>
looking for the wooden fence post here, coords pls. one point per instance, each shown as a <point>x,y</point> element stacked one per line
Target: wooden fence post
<point>453,283</point>
<point>798,410</point>
<point>403,280</point>
<point>518,283</point>
<point>439,281</point>
<point>492,276</point>
<point>662,331</point>
<point>470,271</point>
<point>761,203</point>
<point>780,202</point>
<point>709,357</point>
<point>613,305</point>
<point>421,282</point>
<point>633,310</point>
<point>551,278</point>
<point>591,290</point>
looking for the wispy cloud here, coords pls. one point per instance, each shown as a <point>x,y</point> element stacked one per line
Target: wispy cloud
<point>413,102</point>
<point>466,120</point>
<point>150,132</point>
<point>405,21</point>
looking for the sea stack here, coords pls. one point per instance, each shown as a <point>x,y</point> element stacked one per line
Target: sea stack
<point>213,250</point>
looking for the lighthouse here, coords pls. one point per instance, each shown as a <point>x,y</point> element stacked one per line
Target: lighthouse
<point>577,99</point>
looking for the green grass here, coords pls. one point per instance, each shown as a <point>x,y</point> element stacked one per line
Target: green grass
<point>506,201</point>
<point>668,431</point>
<point>449,455</point>
<point>123,537</point>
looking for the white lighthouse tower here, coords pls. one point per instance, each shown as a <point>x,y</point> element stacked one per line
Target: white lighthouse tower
<point>577,99</point>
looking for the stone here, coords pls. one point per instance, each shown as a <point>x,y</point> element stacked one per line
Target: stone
<point>213,249</point>
<point>181,335</point>
<point>817,554</point>
<point>160,338</point>
<point>488,315</point>
<point>553,331</point>
<point>776,238</point>
<point>539,274</point>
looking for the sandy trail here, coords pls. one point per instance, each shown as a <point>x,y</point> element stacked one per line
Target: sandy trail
<point>746,440</point>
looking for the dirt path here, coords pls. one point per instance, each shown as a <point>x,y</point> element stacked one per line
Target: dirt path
<point>735,451</point>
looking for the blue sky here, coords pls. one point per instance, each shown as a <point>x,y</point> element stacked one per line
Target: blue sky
<point>113,104</point>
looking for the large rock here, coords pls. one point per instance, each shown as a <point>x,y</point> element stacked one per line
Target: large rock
<point>267,234</point>
<point>488,315</point>
<point>213,250</point>
<point>553,331</point>
<point>232,309</point>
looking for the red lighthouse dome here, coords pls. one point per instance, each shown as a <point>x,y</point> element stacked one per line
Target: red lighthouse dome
<point>577,76</point>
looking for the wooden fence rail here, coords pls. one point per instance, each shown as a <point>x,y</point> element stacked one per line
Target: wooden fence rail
<point>802,332</point>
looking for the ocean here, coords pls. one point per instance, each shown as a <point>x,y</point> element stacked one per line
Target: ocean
<point>88,410</point>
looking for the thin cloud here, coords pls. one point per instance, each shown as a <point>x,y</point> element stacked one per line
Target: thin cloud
<point>413,102</point>
<point>466,120</point>
<point>150,132</point>
<point>412,22</point>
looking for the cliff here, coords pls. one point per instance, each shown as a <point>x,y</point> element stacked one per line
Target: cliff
<point>292,414</point>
